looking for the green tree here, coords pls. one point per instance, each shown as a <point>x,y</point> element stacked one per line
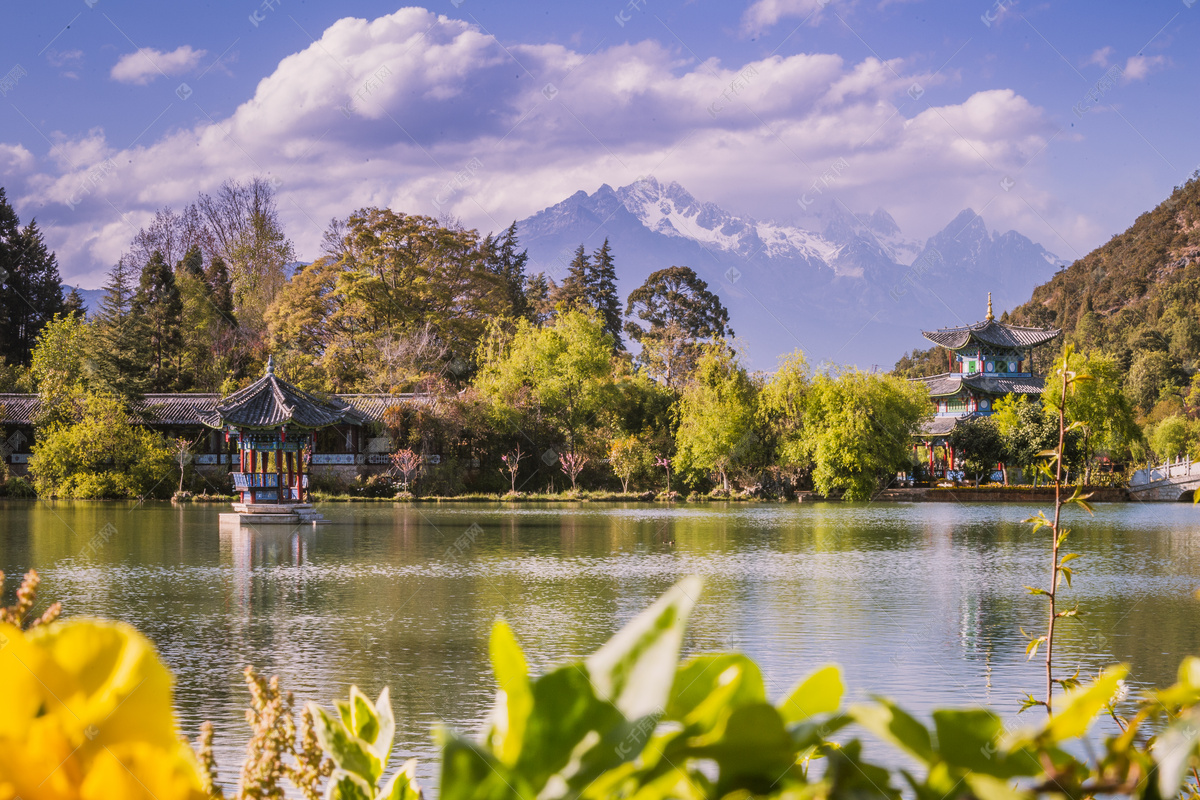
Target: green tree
<point>781,409</point>
<point>629,456</point>
<point>677,315</point>
<point>1029,431</point>
<point>1170,438</point>
<point>1152,373</point>
<point>119,345</point>
<point>602,292</point>
<point>573,291</point>
<point>158,310</point>
<point>1097,406</point>
<point>58,367</point>
<point>508,265</point>
<point>557,381</point>
<point>537,299</point>
<point>858,429</point>
<point>101,455</point>
<point>73,304</point>
<point>30,286</point>
<point>716,418</point>
<point>979,446</point>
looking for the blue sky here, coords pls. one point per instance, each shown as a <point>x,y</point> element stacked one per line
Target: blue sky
<point>491,111</point>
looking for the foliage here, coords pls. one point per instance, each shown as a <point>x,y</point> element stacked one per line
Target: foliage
<point>677,315</point>
<point>921,363</point>
<point>58,367</point>
<point>117,341</point>
<point>716,418</point>
<point>1097,406</point>
<point>101,455</point>
<point>858,429</point>
<point>1171,438</point>
<point>359,740</point>
<point>158,312</point>
<point>781,409</point>
<point>30,287</point>
<point>87,714</point>
<point>629,456</point>
<point>979,445</point>
<point>1029,432</point>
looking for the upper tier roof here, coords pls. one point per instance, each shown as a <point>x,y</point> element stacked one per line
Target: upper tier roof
<point>270,403</point>
<point>949,383</point>
<point>989,331</point>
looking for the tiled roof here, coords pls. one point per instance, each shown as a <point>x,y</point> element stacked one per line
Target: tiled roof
<point>991,332</point>
<point>940,426</point>
<point>270,402</point>
<point>194,408</point>
<point>948,384</point>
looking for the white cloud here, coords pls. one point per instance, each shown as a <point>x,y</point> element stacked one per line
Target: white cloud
<point>1138,68</point>
<point>762,14</point>
<point>1100,57</point>
<point>431,115</point>
<point>147,64</point>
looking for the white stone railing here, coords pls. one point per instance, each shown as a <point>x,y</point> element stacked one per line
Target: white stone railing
<point>1182,467</point>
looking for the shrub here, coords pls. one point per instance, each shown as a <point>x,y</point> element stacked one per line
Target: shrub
<point>102,455</point>
<point>18,487</point>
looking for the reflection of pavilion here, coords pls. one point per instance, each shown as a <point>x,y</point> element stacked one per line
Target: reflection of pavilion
<point>250,548</point>
<point>274,423</point>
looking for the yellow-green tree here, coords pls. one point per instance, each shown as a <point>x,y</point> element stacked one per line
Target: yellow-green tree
<point>781,409</point>
<point>716,417</point>
<point>1098,407</point>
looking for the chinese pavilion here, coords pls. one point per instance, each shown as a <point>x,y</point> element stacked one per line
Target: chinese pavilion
<point>274,423</point>
<point>987,361</point>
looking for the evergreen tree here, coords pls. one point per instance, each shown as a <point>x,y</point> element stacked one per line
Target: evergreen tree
<point>30,286</point>
<point>120,344</point>
<point>572,292</point>
<point>602,292</point>
<point>192,263</point>
<point>220,289</point>
<point>503,260</point>
<point>159,310</point>
<point>73,305</point>
<point>537,298</point>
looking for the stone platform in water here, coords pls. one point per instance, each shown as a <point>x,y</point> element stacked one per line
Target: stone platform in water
<point>272,514</point>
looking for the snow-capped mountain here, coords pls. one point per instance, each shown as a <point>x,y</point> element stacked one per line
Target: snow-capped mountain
<point>846,287</point>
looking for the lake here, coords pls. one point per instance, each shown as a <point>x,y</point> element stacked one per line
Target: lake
<point>922,602</point>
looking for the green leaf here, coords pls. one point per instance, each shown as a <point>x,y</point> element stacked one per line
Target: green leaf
<point>970,739</point>
<point>751,741</point>
<point>403,785</point>
<point>1175,749</point>
<point>345,786</point>
<point>887,721</point>
<point>347,752</point>
<point>471,773</point>
<point>819,693</point>
<point>364,720</point>
<point>386,723</point>
<point>514,700</point>
<point>635,669</point>
<point>1033,590</point>
<point>1074,712</point>
<point>707,687</point>
<point>1069,557</point>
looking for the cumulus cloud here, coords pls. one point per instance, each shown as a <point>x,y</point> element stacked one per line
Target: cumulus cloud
<point>147,64</point>
<point>762,14</point>
<point>1138,68</point>
<point>1100,57</point>
<point>431,115</point>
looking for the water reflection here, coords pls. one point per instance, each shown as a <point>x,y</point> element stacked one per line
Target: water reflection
<point>924,603</point>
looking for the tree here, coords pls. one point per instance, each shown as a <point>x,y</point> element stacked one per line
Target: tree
<point>555,382</point>
<point>1170,438</point>
<point>119,346</point>
<point>629,455</point>
<point>408,462</point>
<point>537,299</point>
<point>979,446</point>
<point>1028,432</point>
<point>512,466</point>
<point>73,305</point>
<point>158,309</point>
<point>716,417</point>
<point>1151,373</point>
<point>58,368</point>
<point>572,464</point>
<point>1097,405</point>
<point>503,261</point>
<point>781,409</point>
<point>601,292</point>
<point>573,291</point>
<point>101,455</point>
<point>30,286</point>
<point>858,429</point>
<point>677,316</point>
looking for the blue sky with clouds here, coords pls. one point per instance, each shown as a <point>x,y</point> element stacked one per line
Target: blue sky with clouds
<point>1062,120</point>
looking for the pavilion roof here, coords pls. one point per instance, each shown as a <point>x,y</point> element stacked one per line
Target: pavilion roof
<point>989,331</point>
<point>271,402</point>
<point>950,383</point>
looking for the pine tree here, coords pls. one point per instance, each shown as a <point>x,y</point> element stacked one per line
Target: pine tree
<point>220,288</point>
<point>121,355</point>
<point>602,292</point>
<point>30,286</point>
<point>572,292</point>
<point>192,263</point>
<point>73,305</point>
<point>537,298</point>
<point>159,310</point>
<point>508,265</point>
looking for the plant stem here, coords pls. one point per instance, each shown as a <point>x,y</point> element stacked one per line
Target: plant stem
<point>1058,504</point>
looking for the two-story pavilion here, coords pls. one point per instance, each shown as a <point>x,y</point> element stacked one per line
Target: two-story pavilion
<point>987,361</point>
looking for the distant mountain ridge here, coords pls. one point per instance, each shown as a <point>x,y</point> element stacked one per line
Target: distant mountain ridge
<point>851,289</point>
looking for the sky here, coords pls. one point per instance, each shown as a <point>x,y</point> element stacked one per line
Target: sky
<point>1061,120</point>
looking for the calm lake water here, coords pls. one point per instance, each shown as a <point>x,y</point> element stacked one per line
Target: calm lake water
<point>920,602</point>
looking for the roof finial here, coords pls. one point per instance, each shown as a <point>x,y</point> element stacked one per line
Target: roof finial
<point>271,360</point>
<point>990,315</point>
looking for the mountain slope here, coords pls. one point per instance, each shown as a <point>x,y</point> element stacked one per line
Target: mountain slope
<point>851,289</point>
